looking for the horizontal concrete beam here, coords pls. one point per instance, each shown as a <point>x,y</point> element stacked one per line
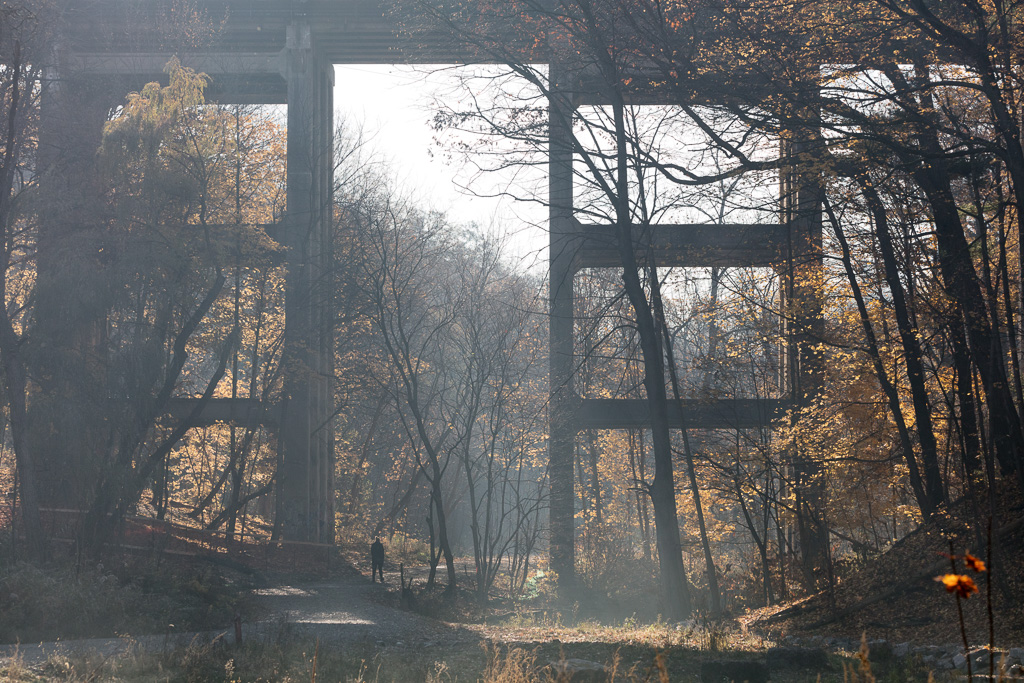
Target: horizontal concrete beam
<point>347,31</point>
<point>235,78</point>
<point>275,231</point>
<point>358,32</point>
<point>242,411</point>
<point>742,413</point>
<point>212,63</point>
<point>680,245</point>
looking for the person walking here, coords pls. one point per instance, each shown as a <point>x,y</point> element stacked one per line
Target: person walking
<point>377,560</point>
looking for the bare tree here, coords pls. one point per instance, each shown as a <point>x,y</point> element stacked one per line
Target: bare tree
<point>24,45</point>
<point>495,338</point>
<point>416,298</point>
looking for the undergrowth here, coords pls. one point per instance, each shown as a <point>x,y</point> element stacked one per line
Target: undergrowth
<point>290,662</point>
<point>283,659</point>
<point>62,602</point>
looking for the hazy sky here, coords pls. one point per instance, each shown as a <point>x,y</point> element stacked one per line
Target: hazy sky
<point>393,104</point>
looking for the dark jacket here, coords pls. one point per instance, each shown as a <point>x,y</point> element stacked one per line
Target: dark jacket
<point>377,551</point>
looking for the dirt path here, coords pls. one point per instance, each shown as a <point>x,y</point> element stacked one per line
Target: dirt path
<point>346,610</point>
<point>351,610</point>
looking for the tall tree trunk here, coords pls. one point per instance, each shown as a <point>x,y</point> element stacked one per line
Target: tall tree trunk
<point>762,548</point>
<point>636,468</point>
<point>965,397</point>
<point>595,477</point>
<point>15,385</point>
<point>924,502</point>
<point>962,284</point>
<point>911,352</point>
<point>674,587</point>
<point>714,593</point>
<point>961,279</point>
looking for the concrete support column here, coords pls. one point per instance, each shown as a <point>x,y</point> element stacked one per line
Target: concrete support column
<point>802,200</point>
<point>561,423</point>
<point>67,343</point>
<point>325,431</point>
<point>305,486</point>
<point>803,323</point>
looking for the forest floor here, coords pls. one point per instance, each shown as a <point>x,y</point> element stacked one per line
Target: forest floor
<point>895,596</point>
<point>343,614</point>
<point>342,627</point>
<point>349,629</point>
<point>307,614</point>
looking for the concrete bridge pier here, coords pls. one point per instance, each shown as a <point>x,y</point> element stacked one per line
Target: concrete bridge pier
<point>792,247</point>
<point>66,347</point>
<point>803,329</point>
<point>305,486</point>
<point>563,250</point>
<point>84,85</point>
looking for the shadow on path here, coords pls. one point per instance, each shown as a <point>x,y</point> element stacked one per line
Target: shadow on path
<point>348,610</point>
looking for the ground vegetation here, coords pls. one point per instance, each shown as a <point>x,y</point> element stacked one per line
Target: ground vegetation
<point>892,129</point>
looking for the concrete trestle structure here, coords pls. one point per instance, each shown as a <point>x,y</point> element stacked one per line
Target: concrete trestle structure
<point>792,248</point>
<point>282,52</point>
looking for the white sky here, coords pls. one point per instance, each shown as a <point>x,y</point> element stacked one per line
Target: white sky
<point>393,105</point>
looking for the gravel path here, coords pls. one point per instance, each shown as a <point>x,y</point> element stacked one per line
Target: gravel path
<point>347,610</point>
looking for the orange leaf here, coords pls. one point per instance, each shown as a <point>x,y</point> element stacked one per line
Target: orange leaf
<point>958,583</point>
<point>974,563</point>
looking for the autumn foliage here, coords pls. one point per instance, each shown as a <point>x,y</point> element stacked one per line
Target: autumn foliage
<point>878,346</point>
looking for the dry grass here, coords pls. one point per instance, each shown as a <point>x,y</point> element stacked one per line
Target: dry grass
<point>64,602</point>
<point>286,661</point>
<point>700,634</point>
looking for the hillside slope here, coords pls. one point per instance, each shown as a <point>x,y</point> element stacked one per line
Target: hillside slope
<point>894,596</point>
